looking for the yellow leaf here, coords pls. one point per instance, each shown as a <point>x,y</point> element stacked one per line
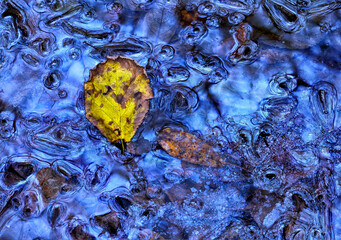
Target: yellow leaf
<point>117,97</point>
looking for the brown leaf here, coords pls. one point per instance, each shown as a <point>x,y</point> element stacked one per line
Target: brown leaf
<point>147,234</point>
<point>110,222</point>
<point>51,183</point>
<point>188,147</point>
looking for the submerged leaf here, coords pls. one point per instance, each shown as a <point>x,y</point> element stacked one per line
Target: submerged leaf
<point>51,183</point>
<point>189,148</point>
<point>116,98</point>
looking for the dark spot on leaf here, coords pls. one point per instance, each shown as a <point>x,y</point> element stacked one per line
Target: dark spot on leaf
<point>117,132</point>
<point>109,89</point>
<point>90,92</point>
<point>138,95</point>
<point>119,98</point>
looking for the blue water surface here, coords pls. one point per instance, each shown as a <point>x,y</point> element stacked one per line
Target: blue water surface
<point>258,81</point>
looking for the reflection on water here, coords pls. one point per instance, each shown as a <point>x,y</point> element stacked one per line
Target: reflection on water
<point>257,80</point>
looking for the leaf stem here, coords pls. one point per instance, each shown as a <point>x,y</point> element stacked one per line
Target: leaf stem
<point>122,142</point>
